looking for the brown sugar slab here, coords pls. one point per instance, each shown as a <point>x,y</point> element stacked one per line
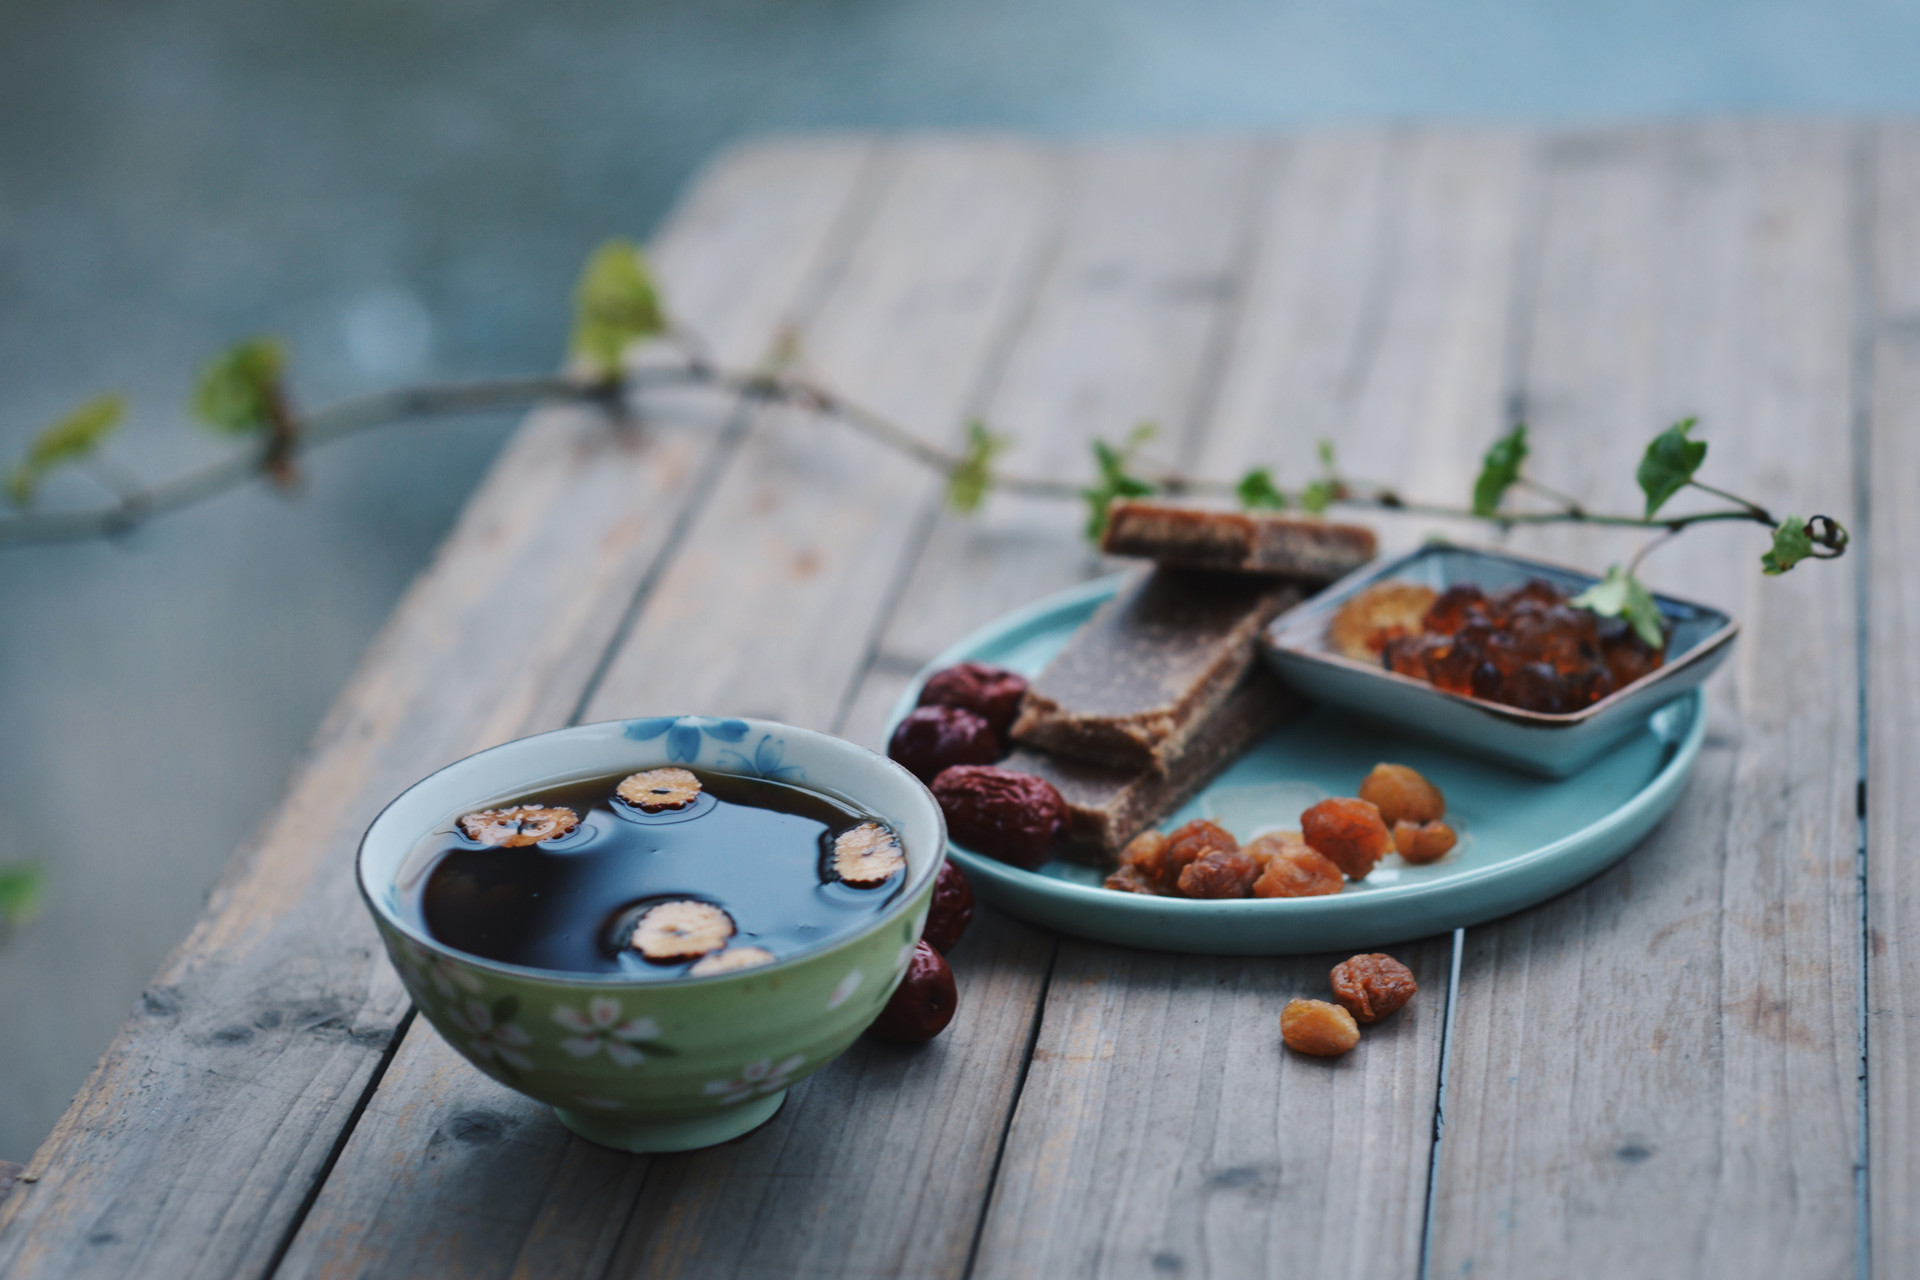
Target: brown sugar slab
<point>1149,667</point>
<point>1168,533</point>
<point>1109,807</point>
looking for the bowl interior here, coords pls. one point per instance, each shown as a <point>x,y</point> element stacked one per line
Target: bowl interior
<point>390,871</point>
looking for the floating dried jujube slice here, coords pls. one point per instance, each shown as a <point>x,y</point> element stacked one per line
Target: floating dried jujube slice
<point>523,824</point>
<point>686,930</point>
<point>733,958</point>
<point>867,855</point>
<point>657,790</point>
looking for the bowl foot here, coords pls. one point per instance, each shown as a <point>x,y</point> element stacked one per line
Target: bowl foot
<point>683,1135</point>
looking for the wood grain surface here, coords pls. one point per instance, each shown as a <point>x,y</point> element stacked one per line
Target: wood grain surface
<point>1228,1145</point>
<point>197,1144</point>
<point>1659,1073</point>
<point>1673,1045</point>
<point>1890,416</point>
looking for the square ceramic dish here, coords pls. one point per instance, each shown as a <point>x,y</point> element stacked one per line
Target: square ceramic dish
<point>1297,647</point>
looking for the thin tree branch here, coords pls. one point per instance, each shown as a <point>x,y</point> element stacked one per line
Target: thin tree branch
<point>296,435</point>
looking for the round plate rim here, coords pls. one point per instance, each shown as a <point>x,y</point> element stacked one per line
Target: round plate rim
<point>1018,624</point>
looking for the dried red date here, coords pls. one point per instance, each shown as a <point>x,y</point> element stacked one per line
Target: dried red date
<point>988,692</point>
<point>951,911</point>
<point>1014,817</point>
<point>923,1004</point>
<point>932,738</point>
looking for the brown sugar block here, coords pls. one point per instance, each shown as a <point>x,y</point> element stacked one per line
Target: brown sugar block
<point>1239,541</point>
<point>1108,807</point>
<point>1145,672</point>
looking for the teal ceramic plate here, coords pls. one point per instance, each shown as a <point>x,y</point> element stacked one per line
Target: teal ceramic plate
<point>1523,838</point>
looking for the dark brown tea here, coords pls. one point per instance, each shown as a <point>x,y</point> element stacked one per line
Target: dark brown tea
<point>661,874</point>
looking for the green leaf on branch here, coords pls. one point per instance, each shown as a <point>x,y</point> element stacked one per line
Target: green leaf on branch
<point>239,391</point>
<point>1320,494</point>
<point>1669,463</point>
<point>1621,595</point>
<point>1115,480</point>
<point>615,305</point>
<point>1499,470</point>
<point>1791,544</point>
<point>22,887</point>
<point>70,439</point>
<point>1257,491</point>
<point>967,486</point>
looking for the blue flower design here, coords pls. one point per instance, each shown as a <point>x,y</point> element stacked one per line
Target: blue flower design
<point>768,754</point>
<point>683,743</point>
<point>653,727</point>
<point>683,733</point>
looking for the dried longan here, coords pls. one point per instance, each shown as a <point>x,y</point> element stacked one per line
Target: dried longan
<point>1372,986</point>
<point>1266,847</point>
<point>1218,873</point>
<point>1349,832</point>
<point>1130,879</point>
<point>1297,871</point>
<point>1144,854</point>
<point>1401,794</point>
<point>1318,1028</point>
<point>1189,844</point>
<point>1423,842</point>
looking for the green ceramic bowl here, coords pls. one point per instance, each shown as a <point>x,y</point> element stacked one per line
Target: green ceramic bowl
<point>655,1066</point>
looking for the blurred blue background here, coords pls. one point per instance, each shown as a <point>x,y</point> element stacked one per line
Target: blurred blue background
<point>406,190</point>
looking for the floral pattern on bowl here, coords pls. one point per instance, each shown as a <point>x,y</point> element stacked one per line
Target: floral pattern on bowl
<point>655,1066</point>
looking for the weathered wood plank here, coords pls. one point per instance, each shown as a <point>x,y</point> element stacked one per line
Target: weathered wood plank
<point>1893,704</point>
<point>193,1147</point>
<point>767,609</point>
<point>1656,1074</point>
<point>1127,333</point>
<point>1163,1129</point>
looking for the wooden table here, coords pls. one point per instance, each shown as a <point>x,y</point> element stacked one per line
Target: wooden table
<point>1696,1064</point>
